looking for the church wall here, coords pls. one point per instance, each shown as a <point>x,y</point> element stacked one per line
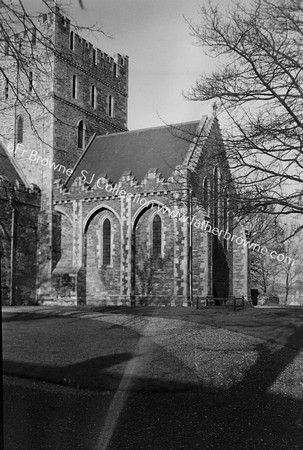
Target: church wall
<point>5,248</point>
<point>27,153</point>
<point>25,218</point>
<point>139,278</point>
<point>221,258</point>
<point>241,277</point>
<point>181,259</point>
<point>154,277</point>
<point>63,276</point>
<point>56,122</point>
<point>102,281</point>
<point>201,258</point>
<point>169,276</point>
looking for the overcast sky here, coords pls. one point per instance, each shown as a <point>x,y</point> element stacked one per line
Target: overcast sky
<point>163,60</point>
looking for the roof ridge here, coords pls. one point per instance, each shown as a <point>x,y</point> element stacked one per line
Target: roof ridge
<point>139,130</point>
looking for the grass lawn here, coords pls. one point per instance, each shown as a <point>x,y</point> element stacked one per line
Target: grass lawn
<point>64,349</point>
<point>94,347</point>
<point>279,325</point>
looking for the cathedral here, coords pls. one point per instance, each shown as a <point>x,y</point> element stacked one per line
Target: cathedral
<point>92,213</point>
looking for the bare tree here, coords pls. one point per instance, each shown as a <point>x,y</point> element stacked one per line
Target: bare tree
<point>294,249</point>
<point>265,230</point>
<point>258,85</point>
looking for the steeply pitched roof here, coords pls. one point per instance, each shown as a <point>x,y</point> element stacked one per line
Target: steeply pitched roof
<point>7,168</point>
<point>163,148</point>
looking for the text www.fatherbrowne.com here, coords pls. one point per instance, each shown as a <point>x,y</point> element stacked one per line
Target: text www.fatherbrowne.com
<point>225,234</point>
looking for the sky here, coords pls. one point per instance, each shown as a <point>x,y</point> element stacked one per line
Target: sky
<point>163,60</point>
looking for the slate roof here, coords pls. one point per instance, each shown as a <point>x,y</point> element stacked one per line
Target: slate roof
<point>140,150</point>
<point>7,168</point>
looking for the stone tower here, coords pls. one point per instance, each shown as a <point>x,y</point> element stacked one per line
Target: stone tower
<point>60,93</point>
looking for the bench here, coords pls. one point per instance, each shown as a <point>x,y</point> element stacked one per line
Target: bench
<point>224,302</point>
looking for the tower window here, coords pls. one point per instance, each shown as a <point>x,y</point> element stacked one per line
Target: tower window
<point>19,130</point>
<point>5,48</point>
<point>71,40</point>
<point>74,87</point>
<point>115,70</point>
<point>110,106</point>
<point>30,82</point>
<point>93,96</point>
<point>34,38</point>
<point>6,88</point>
<point>94,56</point>
<point>205,192</point>
<point>81,134</point>
<point>106,242</point>
<point>157,236</point>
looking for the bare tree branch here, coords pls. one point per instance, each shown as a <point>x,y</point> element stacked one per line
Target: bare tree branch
<point>258,85</point>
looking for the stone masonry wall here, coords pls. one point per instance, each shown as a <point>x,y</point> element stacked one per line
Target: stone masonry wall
<point>217,266</point>
<point>153,276</point>
<point>204,162</point>
<point>51,115</point>
<point>91,67</point>
<point>24,210</point>
<point>102,281</point>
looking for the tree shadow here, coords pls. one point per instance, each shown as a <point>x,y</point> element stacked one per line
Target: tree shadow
<point>248,415</point>
<point>164,414</point>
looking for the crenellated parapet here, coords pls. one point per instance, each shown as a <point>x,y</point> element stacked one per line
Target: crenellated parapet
<point>72,47</point>
<point>103,187</point>
<point>128,178</point>
<point>38,33</point>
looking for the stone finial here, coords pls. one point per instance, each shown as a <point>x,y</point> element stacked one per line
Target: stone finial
<point>215,109</point>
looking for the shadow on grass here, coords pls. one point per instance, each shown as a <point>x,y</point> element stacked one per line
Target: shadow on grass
<point>282,326</point>
<point>173,416</point>
<point>96,373</point>
<point>187,415</point>
<point>248,415</point>
<point>38,314</point>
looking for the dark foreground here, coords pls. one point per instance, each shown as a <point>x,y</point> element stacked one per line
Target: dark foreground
<point>119,411</point>
<point>41,417</point>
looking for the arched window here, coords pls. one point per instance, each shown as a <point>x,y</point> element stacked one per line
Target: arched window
<point>81,134</point>
<point>216,196</point>
<point>19,130</point>
<point>71,40</point>
<point>157,236</point>
<point>225,216</point>
<point>225,210</point>
<point>74,87</point>
<point>205,191</point>
<point>106,242</point>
